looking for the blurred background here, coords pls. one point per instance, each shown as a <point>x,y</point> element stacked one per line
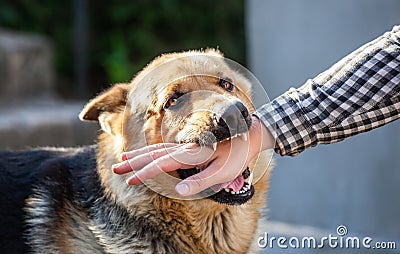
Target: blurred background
<point>55,55</point>
<point>96,43</point>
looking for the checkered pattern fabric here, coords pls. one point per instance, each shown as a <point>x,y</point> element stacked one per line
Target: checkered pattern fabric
<point>359,93</point>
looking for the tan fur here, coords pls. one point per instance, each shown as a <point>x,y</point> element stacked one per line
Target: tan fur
<point>131,117</point>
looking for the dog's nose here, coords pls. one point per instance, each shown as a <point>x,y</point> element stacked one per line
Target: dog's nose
<point>235,118</point>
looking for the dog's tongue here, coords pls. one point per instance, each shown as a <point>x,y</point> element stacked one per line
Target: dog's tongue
<point>235,184</point>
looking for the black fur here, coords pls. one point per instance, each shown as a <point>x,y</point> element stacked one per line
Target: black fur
<point>62,177</point>
<point>23,171</point>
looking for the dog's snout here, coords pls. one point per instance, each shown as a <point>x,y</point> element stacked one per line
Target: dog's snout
<point>235,117</point>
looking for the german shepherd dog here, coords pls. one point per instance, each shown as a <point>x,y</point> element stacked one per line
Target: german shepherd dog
<point>68,200</point>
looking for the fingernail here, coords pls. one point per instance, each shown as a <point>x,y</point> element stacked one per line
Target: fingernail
<point>123,157</point>
<point>117,166</point>
<point>182,189</point>
<point>114,167</point>
<point>131,180</point>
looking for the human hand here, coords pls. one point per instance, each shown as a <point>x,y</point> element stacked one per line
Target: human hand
<point>221,166</point>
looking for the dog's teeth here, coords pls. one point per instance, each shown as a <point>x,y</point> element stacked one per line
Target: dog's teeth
<point>244,136</point>
<point>251,178</point>
<point>214,145</point>
<point>245,188</point>
<point>227,189</point>
<point>232,192</point>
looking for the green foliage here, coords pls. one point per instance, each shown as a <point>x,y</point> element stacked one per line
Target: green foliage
<point>48,17</point>
<point>125,35</point>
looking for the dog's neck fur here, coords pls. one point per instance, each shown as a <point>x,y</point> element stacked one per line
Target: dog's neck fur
<point>207,226</point>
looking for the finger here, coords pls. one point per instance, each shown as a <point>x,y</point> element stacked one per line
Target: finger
<point>144,156</point>
<point>151,170</point>
<point>146,149</point>
<point>184,157</point>
<point>141,160</point>
<point>121,168</point>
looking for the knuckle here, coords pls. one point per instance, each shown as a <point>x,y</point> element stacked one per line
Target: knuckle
<point>163,163</point>
<point>153,154</point>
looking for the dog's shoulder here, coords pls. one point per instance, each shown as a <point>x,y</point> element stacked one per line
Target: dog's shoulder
<point>20,171</point>
<point>71,176</point>
<point>27,167</point>
<point>23,174</point>
<point>64,171</point>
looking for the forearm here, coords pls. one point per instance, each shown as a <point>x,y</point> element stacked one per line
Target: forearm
<point>357,94</point>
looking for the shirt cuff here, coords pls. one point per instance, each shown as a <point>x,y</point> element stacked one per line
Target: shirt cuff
<point>285,120</point>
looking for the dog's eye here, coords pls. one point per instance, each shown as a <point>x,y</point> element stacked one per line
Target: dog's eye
<point>173,100</point>
<point>226,83</point>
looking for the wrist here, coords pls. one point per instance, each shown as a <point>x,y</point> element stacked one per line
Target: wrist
<point>260,137</point>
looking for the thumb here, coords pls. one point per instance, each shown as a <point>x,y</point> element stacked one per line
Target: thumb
<point>201,181</point>
<point>192,186</point>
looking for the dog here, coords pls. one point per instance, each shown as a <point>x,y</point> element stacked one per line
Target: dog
<point>68,200</point>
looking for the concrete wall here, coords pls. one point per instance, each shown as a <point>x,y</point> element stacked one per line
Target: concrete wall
<point>25,65</point>
<point>30,114</point>
<point>45,122</point>
<point>355,182</point>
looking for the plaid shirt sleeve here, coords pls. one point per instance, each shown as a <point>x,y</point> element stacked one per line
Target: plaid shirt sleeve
<point>359,93</point>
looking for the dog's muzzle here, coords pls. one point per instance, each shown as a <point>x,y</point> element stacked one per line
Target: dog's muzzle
<point>234,122</point>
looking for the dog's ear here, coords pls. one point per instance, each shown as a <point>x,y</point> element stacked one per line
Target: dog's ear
<point>110,101</point>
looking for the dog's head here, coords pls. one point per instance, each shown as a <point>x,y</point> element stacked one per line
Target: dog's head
<point>189,97</point>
